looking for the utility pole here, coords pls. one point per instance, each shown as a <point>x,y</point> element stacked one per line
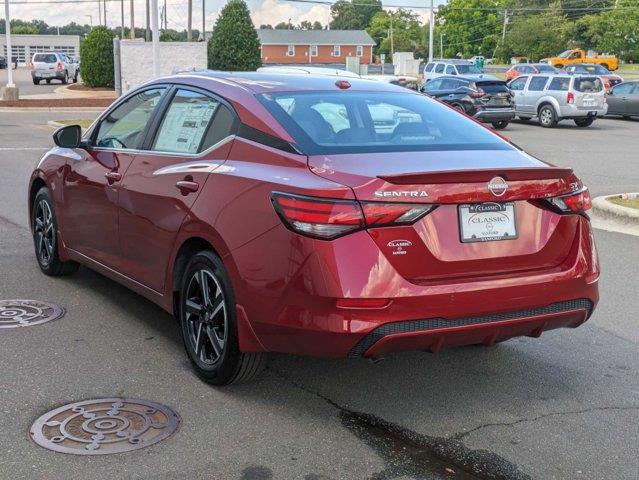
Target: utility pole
<point>105,22</point>
<point>430,32</point>
<point>441,45</point>
<point>147,35</point>
<point>122,15</point>
<point>99,13</point>
<point>156,38</point>
<point>189,26</point>
<point>91,20</point>
<point>165,15</point>
<point>203,20</point>
<point>132,32</point>
<point>503,30</point>
<point>391,34</point>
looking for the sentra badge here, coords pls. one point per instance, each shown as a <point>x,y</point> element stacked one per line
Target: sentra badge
<point>401,193</point>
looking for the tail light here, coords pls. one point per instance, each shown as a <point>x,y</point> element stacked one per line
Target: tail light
<point>478,94</point>
<point>327,219</point>
<point>58,67</point>
<point>570,98</point>
<point>577,202</point>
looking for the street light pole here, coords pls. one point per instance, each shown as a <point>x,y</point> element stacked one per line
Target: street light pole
<point>7,29</point>
<point>90,20</point>
<point>122,17</point>
<point>431,26</point>
<point>132,15</point>
<point>155,39</point>
<point>204,21</point>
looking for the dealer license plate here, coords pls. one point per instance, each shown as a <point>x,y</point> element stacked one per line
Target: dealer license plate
<point>487,222</point>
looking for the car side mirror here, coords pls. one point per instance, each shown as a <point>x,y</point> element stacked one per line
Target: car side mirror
<point>68,137</point>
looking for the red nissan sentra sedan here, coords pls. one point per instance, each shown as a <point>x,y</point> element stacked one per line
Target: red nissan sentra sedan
<point>315,216</point>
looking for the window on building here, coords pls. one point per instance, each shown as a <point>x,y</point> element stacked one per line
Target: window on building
<point>18,51</point>
<point>65,49</point>
<point>290,52</point>
<point>313,50</point>
<point>359,51</point>
<point>337,51</point>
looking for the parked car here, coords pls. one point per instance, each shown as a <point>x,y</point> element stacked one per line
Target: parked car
<point>609,79</point>
<point>484,97</point>
<point>53,65</point>
<point>298,70</point>
<point>529,68</point>
<point>3,62</point>
<point>401,80</point>
<point>623,99</point>
<point>553,98</point>
<point>437,68</point>
<point>272,213</point>
<point>577,55</point>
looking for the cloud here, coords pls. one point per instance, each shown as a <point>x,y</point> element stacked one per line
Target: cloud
<point>273,12</point>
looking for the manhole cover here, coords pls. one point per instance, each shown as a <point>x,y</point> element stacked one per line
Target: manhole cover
<point>103,426</point>
<point>24,313</point>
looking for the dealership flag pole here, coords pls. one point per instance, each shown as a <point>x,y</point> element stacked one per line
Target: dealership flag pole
<point>431,25</point>
<point>155,38</point>
<point>7,29</point>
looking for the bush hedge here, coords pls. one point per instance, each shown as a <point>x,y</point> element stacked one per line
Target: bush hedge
<point>96,53</point>
<point>234,44</point>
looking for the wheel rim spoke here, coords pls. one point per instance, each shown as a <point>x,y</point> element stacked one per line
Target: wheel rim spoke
<point>193,308</point>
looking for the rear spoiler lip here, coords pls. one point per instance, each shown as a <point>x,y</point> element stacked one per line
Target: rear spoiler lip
<point>475,176</point>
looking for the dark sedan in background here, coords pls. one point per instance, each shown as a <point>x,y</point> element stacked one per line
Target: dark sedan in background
<point>623,99</point>
<point>484,97</point>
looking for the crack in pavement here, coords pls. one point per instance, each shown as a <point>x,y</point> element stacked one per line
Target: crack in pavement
<point>408,453</point>
<point>460,435</point>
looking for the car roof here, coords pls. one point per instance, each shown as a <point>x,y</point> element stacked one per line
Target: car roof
<point>453,61</point>
<point>266,82</point>
<point>335,72</point>
<point>479,77</point>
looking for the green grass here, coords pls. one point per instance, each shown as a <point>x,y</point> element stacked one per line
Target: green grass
<point>632,203</point>
<point>83,122</point>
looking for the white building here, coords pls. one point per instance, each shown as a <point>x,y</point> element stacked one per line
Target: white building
<point>24,46</point>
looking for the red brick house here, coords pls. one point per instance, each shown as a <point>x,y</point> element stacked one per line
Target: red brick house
<point>314,46</point>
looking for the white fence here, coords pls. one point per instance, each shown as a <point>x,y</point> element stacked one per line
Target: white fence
<point>136,60</point>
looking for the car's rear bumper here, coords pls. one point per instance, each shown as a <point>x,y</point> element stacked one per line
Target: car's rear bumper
<point>495,115</point>
<point>42,75</point>
<point>303,315</point>
<point>573,111</point>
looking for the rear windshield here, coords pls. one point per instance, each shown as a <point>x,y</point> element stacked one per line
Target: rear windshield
<point>45,58</point>
<point>591,69</point>
<point>367,122</point>
<point>588,84</point>
<point>464,69</point>
<point>493,87</point>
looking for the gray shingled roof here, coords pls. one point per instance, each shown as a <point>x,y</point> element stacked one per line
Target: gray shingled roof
<point>268,36</point>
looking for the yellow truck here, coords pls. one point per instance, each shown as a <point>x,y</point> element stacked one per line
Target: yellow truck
<point>577,55</point>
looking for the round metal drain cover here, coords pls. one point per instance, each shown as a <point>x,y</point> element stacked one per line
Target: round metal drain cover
<point>24,313</point>
<point>103,426</point>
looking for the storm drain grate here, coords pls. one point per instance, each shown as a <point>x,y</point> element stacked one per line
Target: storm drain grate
<point>104,426</point>
<point>24,313</point>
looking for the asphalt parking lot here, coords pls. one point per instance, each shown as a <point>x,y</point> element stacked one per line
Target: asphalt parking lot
<point>564,406</point>
<point>22,80</point>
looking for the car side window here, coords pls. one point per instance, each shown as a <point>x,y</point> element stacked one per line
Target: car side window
<point>559,83</point>
<point>439,68</point>
<point>123,126</point>
<point>450,70</point>
<point>623,88</point>
<point>433,85</point>
<point>537,84</point>
<point>429,67</point>
<point>185,122</point>
<point>449,84</point>
<point>222,125</point>
<point>518,84</point>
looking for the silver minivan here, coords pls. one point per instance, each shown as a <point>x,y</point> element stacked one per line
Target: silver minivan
<point>53,65</point>
<point>552,98</point>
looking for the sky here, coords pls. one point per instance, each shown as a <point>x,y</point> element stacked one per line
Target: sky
<point>262,11</point>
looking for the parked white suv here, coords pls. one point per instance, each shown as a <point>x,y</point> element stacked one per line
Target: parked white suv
<point>553,98</point>
<point>437,68</point>
<point>53,65</point>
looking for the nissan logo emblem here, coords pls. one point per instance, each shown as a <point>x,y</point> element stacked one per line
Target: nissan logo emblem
<point>497,186</point>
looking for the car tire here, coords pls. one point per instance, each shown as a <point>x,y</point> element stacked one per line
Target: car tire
<point>209,324</point>
<point>45,239</point>
<point>499,125</point>
<point>584,122</point>
<point>65,79</point>
<point>626,117</point>
<point>524,119</point>
<point>75,78</point>
<point>48,80</point>
<point>547,116</point>
<point>36,81</point>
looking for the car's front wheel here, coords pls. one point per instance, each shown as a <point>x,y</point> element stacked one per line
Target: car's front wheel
<point>500,125</point>
<point>209,325</point>
<point>45,239</point>
<point>547,117</point>
<point>584,122</point>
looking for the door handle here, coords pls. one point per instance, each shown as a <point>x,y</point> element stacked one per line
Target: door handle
<point>113,177</point>
<point>187,187</point>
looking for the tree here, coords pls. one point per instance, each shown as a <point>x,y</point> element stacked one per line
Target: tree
<point>234,44</point>
<point>96,51</point>
<point>266,26</point>
<point>353,15</point>
<point>284,26</point>
<point>407,31</point>
<point>317,25</point>
<point>306,25</point>
<point>529,35</point>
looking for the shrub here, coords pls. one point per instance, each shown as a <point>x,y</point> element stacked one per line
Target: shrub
<point>234,44</point>
<point>96,53</point>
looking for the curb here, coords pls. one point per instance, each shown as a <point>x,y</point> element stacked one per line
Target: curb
<point>606,210</point>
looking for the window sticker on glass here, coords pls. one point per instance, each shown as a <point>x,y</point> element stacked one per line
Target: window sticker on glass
<point>185,122</point>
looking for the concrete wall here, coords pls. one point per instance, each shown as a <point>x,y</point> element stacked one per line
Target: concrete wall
<point>137,60</point>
